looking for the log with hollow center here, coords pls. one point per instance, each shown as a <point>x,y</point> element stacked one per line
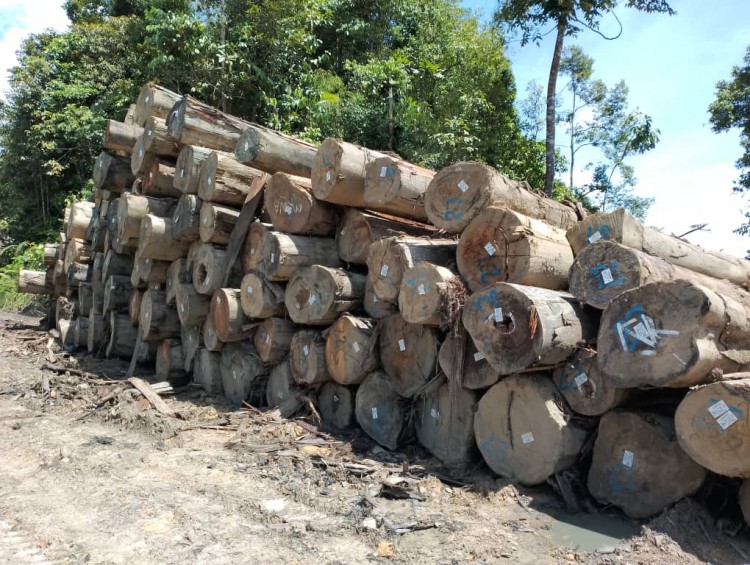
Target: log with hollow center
<point>208,269</point>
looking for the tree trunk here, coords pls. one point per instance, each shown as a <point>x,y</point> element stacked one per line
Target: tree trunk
<point>338,172</point>
<point>210,339</point>
<point>282,390</point>
<point>673,334</point>
<point>153,100</point>
<point>242,373</point>
<point>500,245</point>
<point>293,208</point>
<point>358,230</point>
<point>272,152</point>
<point>117,293</point>
<point>431,295</point>
<point>458,193</point>
<point>158,181</point>
<point>190,337</point>
<point>308,358</point>
<point>388,260</point>
<point>317,295</point>
<point>81,214</point>
<point>192,307</point>
<point>521,431</point>
<point>260,298</point>
<point>112,172</point>
<point>336,405</point>
<point>273,339</point>
<point>216,223</point>
<point>35,282</point>
<point>516,327</point>
<point>228,317</point>
<point>551,121</point>
<point>224,181</point>
<point>177,274</point>
<point>192,122</point>
<point>444,425</point>
<point>382,413</point>
<point>157,320</point>
<point>712,425</point>
<point>463,364</point>
<point>251,251</point>
<point>157,142</point>
<point>156,240</point>
<point>120,137</point>
<point>619,226</point>
<point>132,208</point>
<point>639,466</point>
<point>283,254</point>
<point>376,308</point>
<point>351,349</point>
<point>408,353</point>
<point>584,387</point>
<point>208,269</point>
<point>188,168</point>
<point>207,372</point>
<point>397,184</point>
<point>186,221</point>
<point>170,362</point>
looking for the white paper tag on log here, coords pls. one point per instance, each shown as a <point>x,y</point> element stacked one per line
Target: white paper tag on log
<point>718,409</point>
<point>435,414</point>
<point>726,419</point>
<point>288,209</point>
<point>421,290</point>
<point>498,314</point>
<point>328,176</point>
<point>312,300</point>
<point>150,132</point>
<point>596,236</point>
<point>580,380</point>
<point>148,99</point>
<point>374,413</point>
<point>356,347</point>
<point>478,356</point>
<point>252,251</point>
<point>182,173</point>
<point>607,276</point>
<point>384,271</point>
<point>462,186</point>
<point>273,257</point>
<point>490,249</point>
<point>140,154</point>
<point>627,458</point>
<point>305,351</point>
<point>249,290</point>
<point>267,339</point>
<point>209,181</point>
<point>401,345</point>
<point>528,437</point>
<point>383,171</point>
<point>374,298</point>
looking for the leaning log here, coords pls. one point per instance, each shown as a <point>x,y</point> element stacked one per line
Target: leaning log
<point>34,282</point>
<point>381,412</point>
<point>336,405</point>
<point>273,339</point>
<point>463,364</point>
<point>228,319</point>
<point>317,295</point>
<point>260,298</point>
<point>188,168</point>
<point>431,295</point>
<point>408,353</point>
<point>351,349</point>
<point>207,371</point>
<point>120,137</point>
<point>282,254</point>
<point>242,373</point>
<point>293,208</point>
<point>153,100</point>
<point>216,223</point>
<point>225,181</point>
<point>308,358</point>
<point>272,151</point>
<point>397,184</point>
<point>157,320</point>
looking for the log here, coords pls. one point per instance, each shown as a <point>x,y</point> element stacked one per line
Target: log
<point>282,390</point>
<point>50,253</point>
<point>77,251</point>
<point>712,425</point>
<point>376,308</point>
<point>397,184</point>
<point>151,271</point>
<point>67,331</point>
<point>293,208</point>
<point>140,162</point>
<point>463,364</point>
<point>307,358</point>
<point>251,250</point>
<point>408,353</point>
<point>521,431</point>
<point>153,100</point>
<point>117,293</point>
<point>112,172</point>
<point>78,273</point>
<point>225,181</point>
<point>158,181</point>
<point>132,208</point>
<point>358,230</point>
<point>115,264</point>
<point>744,497</point>
<point>431,295</point>
<point>381,412</point>
<point>242,373</point>
<point>97,278</point>
<point>80,332</point>
<point>351,349</point>
<point>86,298</point>
<point>207,372</point>
<point>157,320</point>
<point>216,223</point>
<point>228,319</point>
<point>134,305</point>
<point>282,254</point>
<point>208,268</point>
<point>461,191</point>
<point>516,327</point>
<point>129,118</point>
<point>186,221</point>
<point>338,172</point>
<point>81,214</point>
<point>188,168</point>
<point>336,405</point>
<point>123,340</point>
<point>210,339</point>
<point>639,466</point>
<point>34,282</point>
<point>190,337</point>
<point>317,295</point>
<point>96,337</point>
<point>120,137</point>
<point>444,425</point>
<point>673,334</point>
<point>177,274</point>
<point>260,298</point>
<point>584,387</point>
<point>272,151</point>
<point>156,141</point>
<point>500,245</point>
<point>388,260</point>
<point>169,361</point>
<point>156,240</point>
<point>273,339</point>
<point>192,307</point>
<point>621,227</point>
<point>192,122</point>
<point>59,276</point>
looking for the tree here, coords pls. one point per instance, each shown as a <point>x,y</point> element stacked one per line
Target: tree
<point>731,109</point>
<point>569,18</point>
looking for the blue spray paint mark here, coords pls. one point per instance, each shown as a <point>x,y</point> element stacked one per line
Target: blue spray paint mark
<point>452,213</point>
<point>627,338</point>
<point>705,421</point>
<point>494,451</point>
<point>488,273</point>
<point>602,231</point>
<point>618,279</point>
<point>489,297</point>
<point>621,478</point>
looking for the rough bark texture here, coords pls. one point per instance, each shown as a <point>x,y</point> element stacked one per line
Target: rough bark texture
<point>293,208</point>
<point>188,168</point>
<point>34,282</point>
<point>192,122</point>
<point>216,223</point>
<point>153,100</point>
<point>338,172</point>
<point>112,172</point>
<point>336,405</point>
<point>271,151</point>
<point>120,137</point>
<point>308,358</point>
<point>273,339</point>
<point>225,181</point>
<point>317,295</point>
<point>242,372</point>
<point>282,254</point>
<point>408,353</point>
<point>207,371</point>
<point>463,364</point>
<point>431,295</point>
<point>192,307</point>
<point>381,412</point>
<point>397,184</point>
<point>352,349</point>
<point>157,321</point>
<point>260,298</point>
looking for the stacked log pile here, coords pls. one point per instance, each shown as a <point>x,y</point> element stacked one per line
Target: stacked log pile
<point>459,308</point>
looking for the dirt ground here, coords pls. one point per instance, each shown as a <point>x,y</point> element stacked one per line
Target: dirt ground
<point>91,473</point>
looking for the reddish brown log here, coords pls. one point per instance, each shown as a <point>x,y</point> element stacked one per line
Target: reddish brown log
<point>228,319</point>
<point>351,349</point>
<point>408,353</point>
<point>293,209</point>
<point>273,339</point>
<point>260,298</point>
<point>308,358</point>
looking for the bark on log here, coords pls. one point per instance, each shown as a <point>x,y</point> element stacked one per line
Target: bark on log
<point>261,299</point>
<point>208,269</point>
<point>251,251</point>
<point>134,305</point>
<point>117,293</point>
<point>317,295</point>
<point>177,274</point>
<point>81,214</point>
<point>713,425</point>
<point>621,227</point>
<point>210,339</point>
<point>96,334</point>
<point>273,339</point>
<point>123,339</point>
<point>444,425</point>
<point>673,334</point>
<point>192,307</point>
<point>190,337</point>
<point>336,405</point>
<point>282,390</point>
<point>376,308</point>
<point>158,181</point>
<point>282,254</point>
<point>156,141</point>
<point>463,364</point>
<point>186,221</point>
<point>521,431</point>
<point>461,191</point>
<point>242,373</point>
<point>351,349</point>
<point>397,184</point>
<point>431,295</point>
<point>188,168</point>
<point>34,282</point>
<point>192,122</point>
<point>388,260</point>
<point>293,208</point>
<point>157,320</point>
<point>112,172</point>
<point>228,317</point>
<point>50,253</point>
<point>207,372</point>
<point>225,181</point>
<point>170,362</point>
<point>156,240</point>
<point>217,222</point>
<point>358,230</point>
<point>516,327</point>
<point>153,100</point>
<point>120,137</point>
<point>500,245</point>
<point>408,353</point>
<point>308,358</point>
<point>86,299</point>
<point>744,497</point>
<point>132,208</point>
<point>639,466</point>
<point>78,273</point>
<point>77,251</point>
<point>381,412</point>
<point>271,151</point>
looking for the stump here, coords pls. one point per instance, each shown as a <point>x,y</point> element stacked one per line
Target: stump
<point>242,372</point>
<point>156,240</point>
<point>177,274</point>
<point>225,181</point>
<point>381,412</point>
<point>191,343</point>
<point>260,298</point>
<point>397,184</point>
<point>112,172</point>
<point>251,250</point>
<point>156,141</point>
<point>317,295</point>
<point>228,319</point>
<point>157,320</point>
<point>117,293</point>
<point>338,172</point>
<point>153,100</point>
<point>207,371</point>
<point>132,208</point>
<point>216,223</point>
<point>351,349</point>
<point>186,221</point>
<point>307,358</point>
<point>188,168</point>
<point>210,339</point>
<point>516,327</point>
<point>273,339</point>
<point>282,390</point>
<point>639,466</point>
<point>408,353</point>
<point>293,209</point>
<point>120,137</point>
<point>463,364</point>
<point>34,282</point>
<point>500,245</point>
<point>336,405</point>
<point>81,214</point>
<point>170,362</point>
<point>431,295</point>
<point>282,254</point>
<point>272,151</point>
<point>713,425</point>
<point>521,431</point>
<point>192,307</point>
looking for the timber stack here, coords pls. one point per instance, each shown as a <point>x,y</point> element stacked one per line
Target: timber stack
<point>458,308</point>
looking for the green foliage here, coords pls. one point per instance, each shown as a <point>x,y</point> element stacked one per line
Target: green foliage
<point>14,258</point>
<point>731,109</point>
